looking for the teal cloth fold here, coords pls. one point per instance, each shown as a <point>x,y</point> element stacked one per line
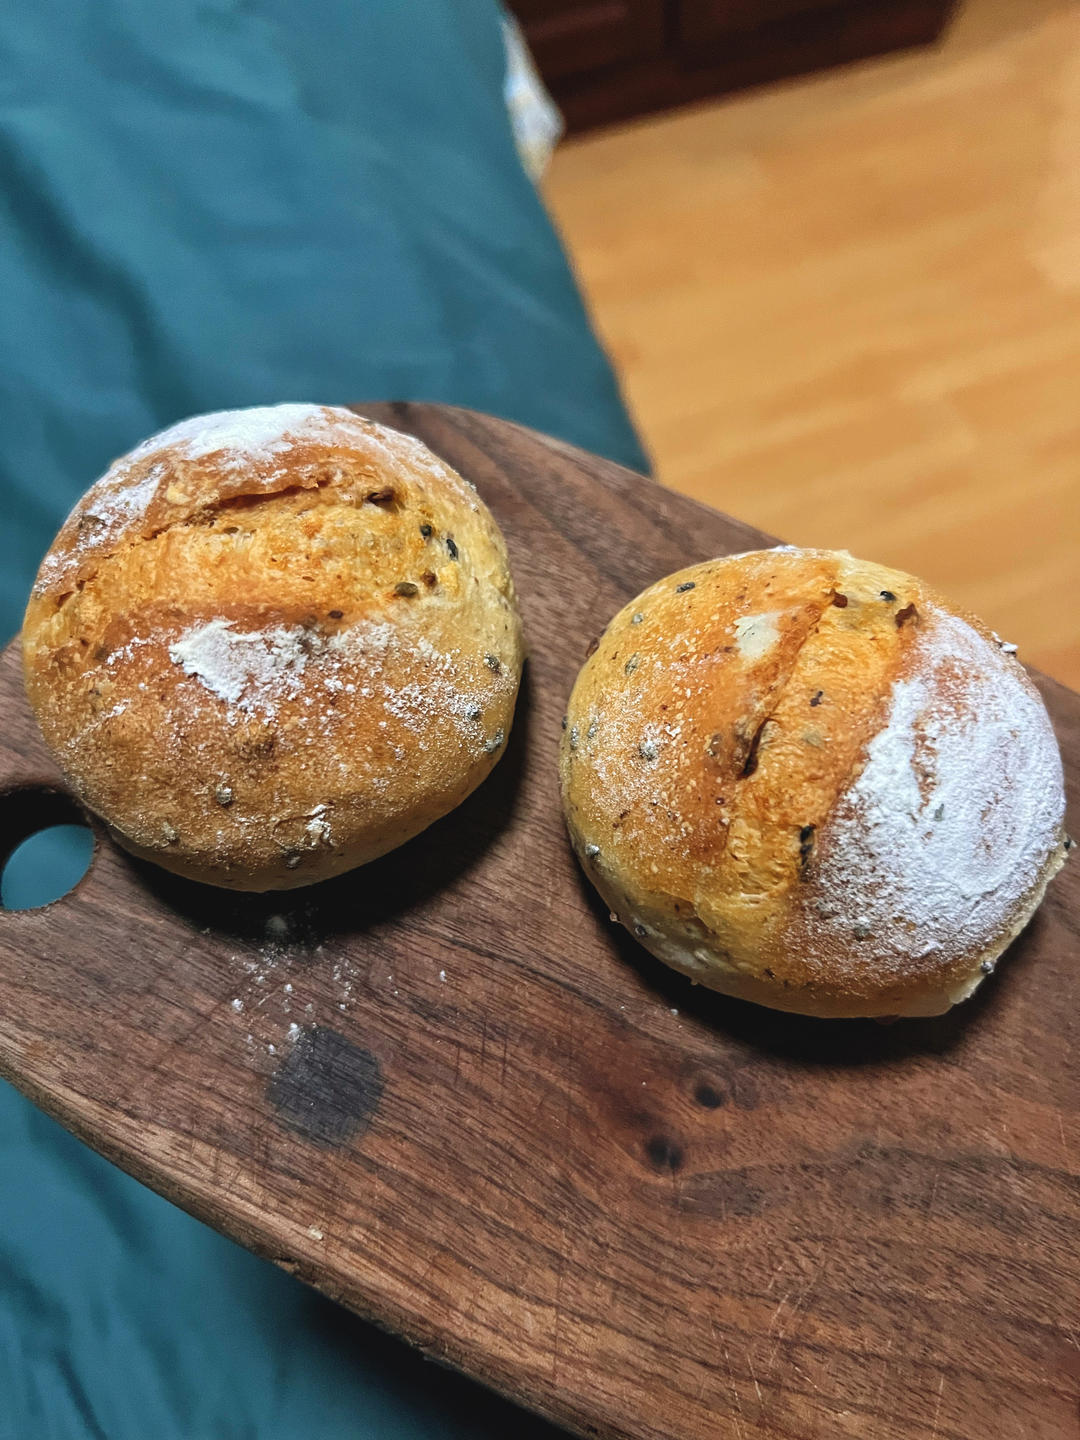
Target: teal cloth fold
<point>210,204</point>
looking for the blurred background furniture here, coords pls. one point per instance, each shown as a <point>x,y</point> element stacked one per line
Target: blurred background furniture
<point>847,309</point>
<point>609,60</point>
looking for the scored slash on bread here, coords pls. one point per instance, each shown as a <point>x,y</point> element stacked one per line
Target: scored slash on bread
<point>804,780</point>
<point>261,646</point>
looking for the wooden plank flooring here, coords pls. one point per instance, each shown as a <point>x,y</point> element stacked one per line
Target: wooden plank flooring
<point>847,309</point>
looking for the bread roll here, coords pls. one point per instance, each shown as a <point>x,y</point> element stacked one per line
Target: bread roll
<point>805,780</point>
<point>272,644</point>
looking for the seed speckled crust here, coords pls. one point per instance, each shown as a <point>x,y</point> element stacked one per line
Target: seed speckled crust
<point>251,658</point>
<point>868,863</point>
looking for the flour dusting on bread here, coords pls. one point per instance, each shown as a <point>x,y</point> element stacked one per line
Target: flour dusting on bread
<point>248,669</point>
<point>269,645</point>
<point>255,672</point>
<point>803,780</point>
<point>948,825</point>
<point>755,634</point>
<point>248,436</point>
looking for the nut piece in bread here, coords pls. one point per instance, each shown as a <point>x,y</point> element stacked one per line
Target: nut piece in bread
<point>807,781</point>
<point>271,644</point>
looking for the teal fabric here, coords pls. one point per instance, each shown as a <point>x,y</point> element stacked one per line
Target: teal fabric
<point>209,204</point>
<point>45,866</point>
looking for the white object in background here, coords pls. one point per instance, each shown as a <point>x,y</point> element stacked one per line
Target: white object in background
<point>534,116</point>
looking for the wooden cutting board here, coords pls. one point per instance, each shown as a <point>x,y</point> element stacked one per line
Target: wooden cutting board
<point>446,1091</point>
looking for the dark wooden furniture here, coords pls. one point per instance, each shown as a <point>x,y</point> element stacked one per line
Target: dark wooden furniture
<point>608,60</point>
<point>503,1131</point>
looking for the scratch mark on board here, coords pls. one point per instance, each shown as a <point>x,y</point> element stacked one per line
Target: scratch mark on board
<point>937,1407</point>
<point>736,1414</point>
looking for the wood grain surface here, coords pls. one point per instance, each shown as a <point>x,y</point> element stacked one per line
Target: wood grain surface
<point>848,309</point>
<point>501,1130</point>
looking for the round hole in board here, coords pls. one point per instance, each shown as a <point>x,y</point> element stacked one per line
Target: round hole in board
<point>46,847</point>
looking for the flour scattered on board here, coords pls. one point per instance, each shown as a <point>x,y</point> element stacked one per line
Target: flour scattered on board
<point>273,980</point>
<point>272,976</point>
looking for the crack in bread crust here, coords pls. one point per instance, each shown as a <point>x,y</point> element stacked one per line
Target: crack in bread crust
<point>340,657</point>
<point>704,785</point>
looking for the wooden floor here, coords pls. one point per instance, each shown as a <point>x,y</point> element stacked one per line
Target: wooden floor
<point>848,309</point>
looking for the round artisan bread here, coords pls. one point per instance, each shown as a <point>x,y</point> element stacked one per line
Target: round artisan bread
<point>272,644</point>
<point>806,780</point>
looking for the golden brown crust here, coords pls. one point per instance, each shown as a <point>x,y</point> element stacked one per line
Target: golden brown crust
<point>718,784</point>
<point>272,645</point>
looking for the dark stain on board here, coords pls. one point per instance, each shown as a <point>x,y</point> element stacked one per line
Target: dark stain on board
<point>326,1089</point>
